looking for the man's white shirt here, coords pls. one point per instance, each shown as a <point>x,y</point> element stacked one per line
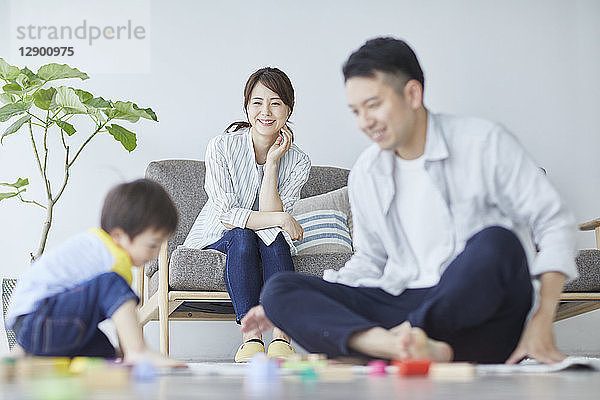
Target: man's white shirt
<point>484,177</point>
<point>425,219</point>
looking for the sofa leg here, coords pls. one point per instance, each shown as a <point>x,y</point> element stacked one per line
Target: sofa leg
<point>163,321</point>
<point>163,299</point>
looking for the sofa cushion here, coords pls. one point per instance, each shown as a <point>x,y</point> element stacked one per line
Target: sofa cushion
<point>588,266</point>
<point>325,231</point>
<point>332,200</point>
<point>204,270</point>
<point>184,181</point>
<point>191,268</point>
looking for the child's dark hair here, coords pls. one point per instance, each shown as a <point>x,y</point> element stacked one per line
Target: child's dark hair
<point>138,205</point>
<point>391,56</point>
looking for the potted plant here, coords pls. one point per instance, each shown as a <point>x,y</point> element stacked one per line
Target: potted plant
<point>35,106</point>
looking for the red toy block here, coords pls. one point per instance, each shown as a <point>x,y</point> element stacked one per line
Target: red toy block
<point>412,367</point>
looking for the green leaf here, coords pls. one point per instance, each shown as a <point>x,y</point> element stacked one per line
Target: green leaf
<point>7,71</point>
<point>95,112</point>
<point>83,95</point>
<point>55,71</point>
<point>15,127</point>
<point>97,102</point>
<point>4,196</point>
<point>7,98</point>
<point>150,113</point>
<point>114,114</point>
<point>67,98</point>
<point>12,88</point>
<point>43,98</point>
<point>10,110</point>
<point>28,79</point>
<point>30,74</point>
<point>127,138</point>
<point>18,184</point>
<point>32,79</point>
<point>66,127</point>
<point>130,108</point>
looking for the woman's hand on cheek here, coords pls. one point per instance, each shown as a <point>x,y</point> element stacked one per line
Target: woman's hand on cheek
<point>280,147</point>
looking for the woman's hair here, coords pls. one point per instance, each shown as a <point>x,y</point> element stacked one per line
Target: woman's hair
<point>274,79</point>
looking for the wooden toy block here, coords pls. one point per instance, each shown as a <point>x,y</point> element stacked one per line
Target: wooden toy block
<point>335,373</point>
<point>306,357</point>
<point>460,371</point>
<point>412,367</point>
<point>42,366</point>
<point>111,377</point>
<point>303,364</point>
<point>377,368</point>
<point>7,369</point>
<point>316,357</point>
<point>80,365</point>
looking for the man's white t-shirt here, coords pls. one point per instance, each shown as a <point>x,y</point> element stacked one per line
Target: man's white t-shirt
<point>425,219</point>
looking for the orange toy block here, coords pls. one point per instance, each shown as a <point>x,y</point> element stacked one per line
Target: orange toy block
<point>412,367</point>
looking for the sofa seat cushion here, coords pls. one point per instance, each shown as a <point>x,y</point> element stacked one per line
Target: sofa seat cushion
<point>204,270</point>
<point>588,266</point>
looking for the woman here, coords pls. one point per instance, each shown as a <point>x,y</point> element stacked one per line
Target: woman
<point>253,178</point>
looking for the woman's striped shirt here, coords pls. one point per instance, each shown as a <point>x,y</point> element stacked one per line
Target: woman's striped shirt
<point>232,184</point>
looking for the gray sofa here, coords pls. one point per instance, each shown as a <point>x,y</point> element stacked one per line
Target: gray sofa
<point>198,275</point>
<point>191,269</point>
<point>192,275</point>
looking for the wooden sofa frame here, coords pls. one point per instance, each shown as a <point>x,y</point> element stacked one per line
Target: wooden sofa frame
<point>162,304</point>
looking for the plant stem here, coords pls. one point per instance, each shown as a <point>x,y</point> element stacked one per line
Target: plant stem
<point>48,222</point>
<point>62,138</point>
<point>35,152</point>
<point>66,179</point>
<point>36,117</point>
<point>31,201</point>
<point>46,142</point>
<point>98,129</point>
<point>45,230</point>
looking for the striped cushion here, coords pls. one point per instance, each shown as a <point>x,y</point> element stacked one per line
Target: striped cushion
<point>325,231</point>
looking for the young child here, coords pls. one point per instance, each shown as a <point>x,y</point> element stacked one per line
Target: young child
<point>59,301</point>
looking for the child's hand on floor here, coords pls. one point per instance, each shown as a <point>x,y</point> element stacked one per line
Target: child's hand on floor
<point>154,357</point>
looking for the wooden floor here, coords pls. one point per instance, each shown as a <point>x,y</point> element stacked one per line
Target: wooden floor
<point>192,385</point>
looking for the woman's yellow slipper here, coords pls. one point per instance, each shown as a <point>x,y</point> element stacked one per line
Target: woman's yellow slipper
<point>280,348</point>
<point>248,349</point>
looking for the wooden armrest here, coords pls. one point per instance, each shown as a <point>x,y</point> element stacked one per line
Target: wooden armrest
<point>590,225</point>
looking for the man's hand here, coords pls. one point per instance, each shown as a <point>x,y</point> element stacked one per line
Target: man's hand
<point>537,342</point>
<point>255,321</point>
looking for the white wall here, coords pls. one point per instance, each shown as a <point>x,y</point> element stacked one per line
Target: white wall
<point>531,65</point>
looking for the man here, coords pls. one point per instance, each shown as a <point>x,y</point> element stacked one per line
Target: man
<point>440,204</point>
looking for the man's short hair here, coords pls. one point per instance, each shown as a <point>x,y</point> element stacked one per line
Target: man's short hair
<point>388,55</point>
<point>139,205</point>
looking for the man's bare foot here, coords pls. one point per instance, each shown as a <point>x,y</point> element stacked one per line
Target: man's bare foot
<point>157,359</point>
<point>414,343</point>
